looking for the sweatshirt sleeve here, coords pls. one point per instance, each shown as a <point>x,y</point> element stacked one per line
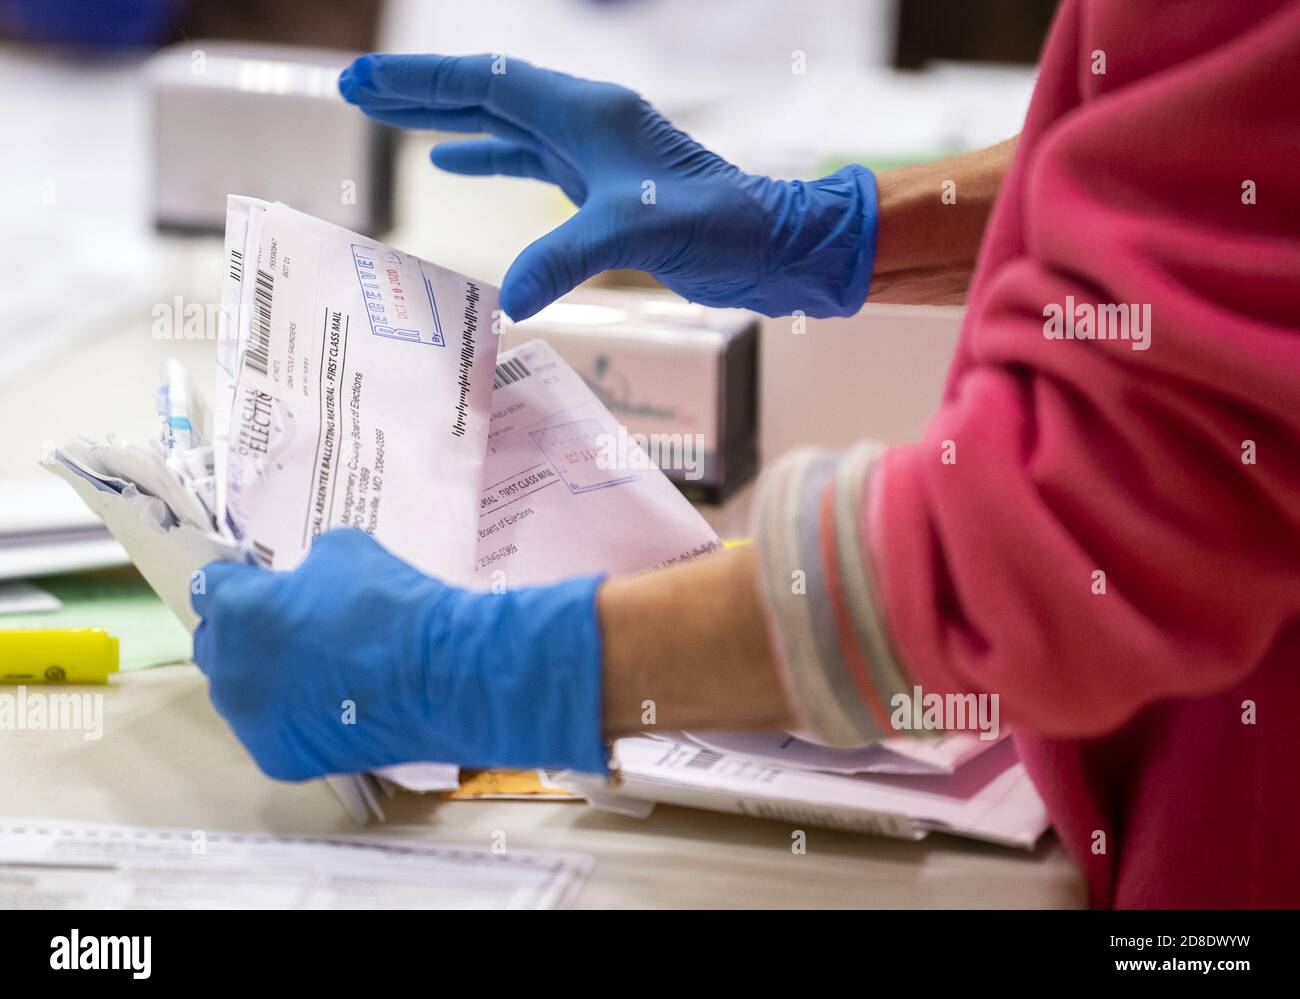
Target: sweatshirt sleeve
<point>1105,509</point>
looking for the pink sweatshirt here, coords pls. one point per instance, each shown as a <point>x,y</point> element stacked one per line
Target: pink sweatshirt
<point>1101,525</point>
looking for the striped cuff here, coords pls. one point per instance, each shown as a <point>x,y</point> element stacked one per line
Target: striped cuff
<point>823,601</point>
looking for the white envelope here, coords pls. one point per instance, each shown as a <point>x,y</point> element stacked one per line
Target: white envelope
<point>167,557</point>
<point>361,390</point>
<point>901,755</point>
<point>559,498</point>
<point>991,798</point>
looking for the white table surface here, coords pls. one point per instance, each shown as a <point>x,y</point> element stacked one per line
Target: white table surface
<point>166,759</point>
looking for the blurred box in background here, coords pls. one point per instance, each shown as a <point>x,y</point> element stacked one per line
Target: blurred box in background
<point>665,367</point>
<point>265,121</point>
<point>997,31</point>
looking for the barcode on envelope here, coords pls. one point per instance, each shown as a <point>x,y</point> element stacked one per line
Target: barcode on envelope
<point>236,266</point>
<point>510,371</point>
<point>705,759</point>
<point>259,339</point>
<point>263,554</point>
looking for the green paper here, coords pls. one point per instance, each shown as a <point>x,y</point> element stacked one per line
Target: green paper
<point>120,602</point>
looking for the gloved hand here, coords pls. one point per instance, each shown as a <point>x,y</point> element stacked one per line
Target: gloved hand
<point>356,660</point>
<point>650,198</point>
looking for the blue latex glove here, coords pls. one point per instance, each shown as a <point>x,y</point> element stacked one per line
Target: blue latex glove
<point>422,670</point>
<point>104,23</point>
<point>711,232</point>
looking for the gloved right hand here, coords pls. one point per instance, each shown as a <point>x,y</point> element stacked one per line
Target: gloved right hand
<point>356,660</point>
<point>650,198</point>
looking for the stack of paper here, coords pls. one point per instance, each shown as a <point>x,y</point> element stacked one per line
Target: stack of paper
<point>66,865</point>
<point>904,788</point>
<point>44,530</point>
<point>904,755</point>
<point>357,385</point>
<point>24,598</point>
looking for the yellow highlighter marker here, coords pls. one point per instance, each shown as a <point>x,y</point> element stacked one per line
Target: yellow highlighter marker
<point>57,655</point>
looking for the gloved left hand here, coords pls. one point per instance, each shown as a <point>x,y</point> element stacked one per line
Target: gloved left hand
<point>356,660</point>
<point>651,198</point>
